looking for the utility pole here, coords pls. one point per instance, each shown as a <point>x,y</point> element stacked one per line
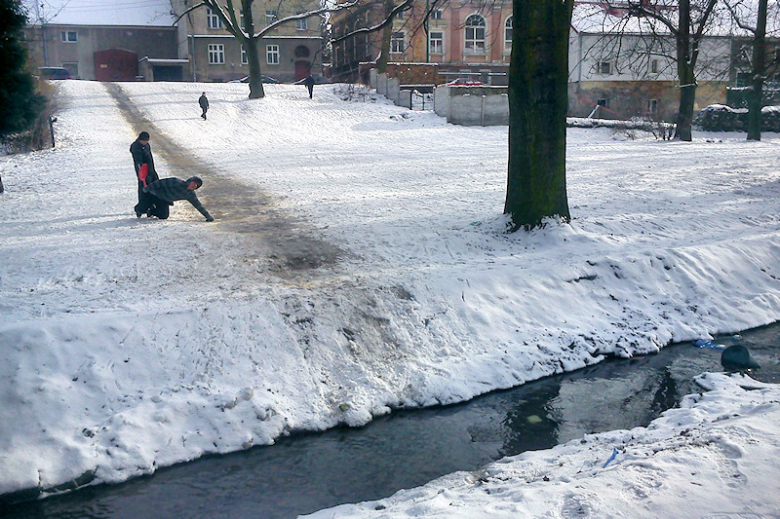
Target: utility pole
<point>41,16</point>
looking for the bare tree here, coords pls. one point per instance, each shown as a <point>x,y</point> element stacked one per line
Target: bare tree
<point>231,14</point>
<point>680,25</point>
<point>538,100</point>
<point>384,23</point>
<point>751,18</point>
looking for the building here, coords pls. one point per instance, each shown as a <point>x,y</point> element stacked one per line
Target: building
<point>288,52</point>
<point>633,75</point>
<point>464,38</point>
<point>106,52</point>
<point>615,76</point>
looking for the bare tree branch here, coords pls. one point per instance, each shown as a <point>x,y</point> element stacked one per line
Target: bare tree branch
<point>406,4</point>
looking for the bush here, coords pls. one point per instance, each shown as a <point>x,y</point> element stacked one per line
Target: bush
<point>722,118</point>
<point>38,136</point>
<point>20,103</point>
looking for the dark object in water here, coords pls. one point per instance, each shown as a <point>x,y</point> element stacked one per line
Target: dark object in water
<point>738,356</point>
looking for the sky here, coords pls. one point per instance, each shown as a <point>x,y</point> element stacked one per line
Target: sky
<point>359,263</point>
<point>101,12</point>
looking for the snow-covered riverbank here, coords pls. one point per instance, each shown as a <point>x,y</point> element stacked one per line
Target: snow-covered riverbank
<point>358,263</point>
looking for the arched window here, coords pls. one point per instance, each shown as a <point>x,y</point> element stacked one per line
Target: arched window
<point>302,51</point>
<point>508,34</point>
<point>475,34</point>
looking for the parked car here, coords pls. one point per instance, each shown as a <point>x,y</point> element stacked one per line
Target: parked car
<point>465,82</point>
<point>53,73</point>
<point>318,80</point>
<point>266,79</point>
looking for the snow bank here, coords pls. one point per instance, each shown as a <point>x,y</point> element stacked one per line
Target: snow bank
<point>713,457</point>
<point>358,263</point>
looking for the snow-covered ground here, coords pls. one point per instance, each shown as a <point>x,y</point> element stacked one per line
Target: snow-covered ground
<point>358,262</point>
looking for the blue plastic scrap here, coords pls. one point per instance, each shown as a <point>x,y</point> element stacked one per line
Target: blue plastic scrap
<point>702,343</point>
<point>611,458</point>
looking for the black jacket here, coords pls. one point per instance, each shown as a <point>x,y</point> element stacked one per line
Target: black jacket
<point>142,154</point>
<point>203,102</point>
<point>173,189</point>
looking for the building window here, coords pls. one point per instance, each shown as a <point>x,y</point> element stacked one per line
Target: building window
<point>241,21</point>
<point>216,54</point>
<point>272,54</point>
<point>603,102</point>
<point>605,68</point>
<point>244,59</point>
<point>436,40</point>
<point>301,24</point>
<point>270,16</point>
<point>397,43</point>
<point>212,20</point>
<point>70,36</point>
<point>508,34</point>
<point>436,14</point>
<point>652,106</point>
<point>475,34</point>
<point>302,51</point>
<point>654,66</point>
<point>399,15</point>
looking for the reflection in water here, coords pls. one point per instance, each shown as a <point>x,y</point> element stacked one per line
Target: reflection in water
<point>305,473</point>
<point>532,422</point>
<point>666,395</point>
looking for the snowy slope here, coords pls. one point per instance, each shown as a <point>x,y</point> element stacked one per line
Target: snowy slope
<point>358,263</point>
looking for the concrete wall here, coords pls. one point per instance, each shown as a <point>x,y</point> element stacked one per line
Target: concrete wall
<point>388,87</point>
<point>472,106</point>
<point>405,99</point>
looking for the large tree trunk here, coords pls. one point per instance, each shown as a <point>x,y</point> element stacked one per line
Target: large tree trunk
<point>387,34</point>
<point>685,73</point>
<point>252,54</point>
<point>687,100</point>
<point>538,80</point>
<point>756,94</point>
<point>255,75</point>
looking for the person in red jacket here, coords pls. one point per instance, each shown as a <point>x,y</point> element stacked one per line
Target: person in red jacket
<point>143,161</point>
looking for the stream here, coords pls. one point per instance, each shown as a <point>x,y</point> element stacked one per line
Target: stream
<point>307,472</point>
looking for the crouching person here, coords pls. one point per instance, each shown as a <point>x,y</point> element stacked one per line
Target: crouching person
<point>173,189</point>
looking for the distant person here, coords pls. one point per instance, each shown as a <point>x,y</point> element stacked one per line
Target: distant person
<point>172,189</point>
<point>309,82</point>
<point>203,101</point>
<point>143,162</point>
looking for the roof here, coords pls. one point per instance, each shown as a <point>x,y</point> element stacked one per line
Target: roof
<point>612,16</point>
<point>100,12</point>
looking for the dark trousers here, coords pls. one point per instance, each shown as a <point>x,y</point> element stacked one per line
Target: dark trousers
<point>150,205</point>
<point>311,90</point>
<point>153,206</point>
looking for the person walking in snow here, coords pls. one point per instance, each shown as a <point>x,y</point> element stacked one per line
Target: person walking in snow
<point>143,162</point>
<point>309,82</point>
<point>203,101</point>
<point>173,189</point>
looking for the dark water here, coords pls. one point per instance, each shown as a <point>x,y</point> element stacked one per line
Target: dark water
<point>305,473</point>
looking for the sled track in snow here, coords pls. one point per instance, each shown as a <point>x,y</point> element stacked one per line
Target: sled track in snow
<point>238,207</point>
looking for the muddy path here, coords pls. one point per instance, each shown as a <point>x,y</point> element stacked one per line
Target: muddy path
<point>239,207</point>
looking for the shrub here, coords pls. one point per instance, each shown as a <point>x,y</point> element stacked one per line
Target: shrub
<point>20,103</point>
<point>722,118</point>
